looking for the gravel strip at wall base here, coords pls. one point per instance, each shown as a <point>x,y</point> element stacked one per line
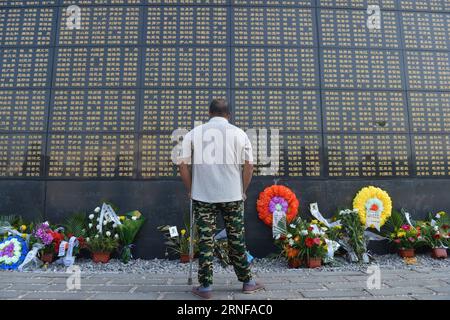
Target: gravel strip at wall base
<point>259,266</point>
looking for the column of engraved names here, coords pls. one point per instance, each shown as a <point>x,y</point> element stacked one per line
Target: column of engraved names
<point>95,98</point>
<point>275,81</point>
<point>25,50</point>
<point>365,126</point>
<point>185,68</point>
<point>427,59</point>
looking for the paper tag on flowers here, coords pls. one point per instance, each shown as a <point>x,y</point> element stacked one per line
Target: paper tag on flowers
<point>373,219</point>
<point>173,232</point>
<point>374,208</point>
<point>278,224</point>
<point>314,208</point>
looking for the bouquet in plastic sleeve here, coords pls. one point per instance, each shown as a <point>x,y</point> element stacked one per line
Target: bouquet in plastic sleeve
<point>131,224</point>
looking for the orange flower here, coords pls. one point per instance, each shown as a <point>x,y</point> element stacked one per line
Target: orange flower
<point>292,253</point>
<point>262,205</point>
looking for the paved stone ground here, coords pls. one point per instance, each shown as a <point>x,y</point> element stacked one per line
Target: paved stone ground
<point>306,284</point>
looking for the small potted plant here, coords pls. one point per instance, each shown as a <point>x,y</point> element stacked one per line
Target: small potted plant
<point>436,235</point>
<point>289,242</point>
<point>313,247</point>
<point>406,238</point>
<point>49,240</point>
<point>178,244</point>
<point>101,247</point>
<point>293,257</point>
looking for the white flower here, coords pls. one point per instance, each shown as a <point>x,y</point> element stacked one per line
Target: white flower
<point>91,216</point>
<point>90,225</point>
<point>98,219</point>
<point>104,222</point>
<point>324,228</point>
<point>96,235</point>
<point>438,216</point>
<point>292,225</point>
<point>291,242</point>
<point>88,239</point>
<point>98,227</point>
<point>97,210</point>
<point>277,237</point>
<point>436,228</point>
<point>289,235</point>
<point>116,236</point>
<point>114,225</point>
<point>304,232</point>
<point>108,233</point>
<point>134,218</point>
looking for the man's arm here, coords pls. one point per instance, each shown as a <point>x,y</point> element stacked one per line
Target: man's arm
<point>185,174</point>
<point>247,174</point>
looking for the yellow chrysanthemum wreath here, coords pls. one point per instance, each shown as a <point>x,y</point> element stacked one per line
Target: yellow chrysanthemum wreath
<point>372,195</point>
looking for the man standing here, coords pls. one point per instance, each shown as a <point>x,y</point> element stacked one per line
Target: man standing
<point>220,156</point>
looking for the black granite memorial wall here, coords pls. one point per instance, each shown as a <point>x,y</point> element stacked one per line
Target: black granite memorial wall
<point>87,114</point>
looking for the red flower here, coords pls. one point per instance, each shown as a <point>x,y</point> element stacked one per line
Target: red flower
<point>82,242</point>
<point>310,228</point>
<point>57,238</point>
<point>309,242</point>
<point>445,226</point>
<point>437,236</point>
<point>397,241</point>
<point>406,227</point>
<point>374,207</point>
<point>317,241</point>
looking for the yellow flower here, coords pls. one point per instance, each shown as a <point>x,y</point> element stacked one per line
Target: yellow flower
<point>23,227</point>
<point>442,213</point>
<point>314,221</point>
<point>339,227</point>
<point>24,235</point>
<point>401,234</point>
<point>121,218</point>
<point>368,193</point>
<point>183,232</point>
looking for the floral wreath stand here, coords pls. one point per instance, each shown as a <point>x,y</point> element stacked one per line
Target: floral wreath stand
<point>12,252</point>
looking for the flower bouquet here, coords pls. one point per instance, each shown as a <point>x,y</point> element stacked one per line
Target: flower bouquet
<point>102,235</point>
<point>178,244</point>
<point>49,239</point>
<point>406,238</point>
<point>289,243</point>
<point>352,237</point>
<point>131,224</point>
<point>436,234</point>
<point>312,244</point>
<point>101,247</point>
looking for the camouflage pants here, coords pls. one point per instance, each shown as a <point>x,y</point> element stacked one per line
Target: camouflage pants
<point>233,216</point>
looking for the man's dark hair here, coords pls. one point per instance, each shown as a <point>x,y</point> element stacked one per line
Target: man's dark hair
<point>219,107</point>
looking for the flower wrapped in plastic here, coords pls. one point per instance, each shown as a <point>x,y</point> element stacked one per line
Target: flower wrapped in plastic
<point>131,224</point>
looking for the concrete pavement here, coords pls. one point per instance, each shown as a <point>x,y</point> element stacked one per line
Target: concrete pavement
<point>302,284</point>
